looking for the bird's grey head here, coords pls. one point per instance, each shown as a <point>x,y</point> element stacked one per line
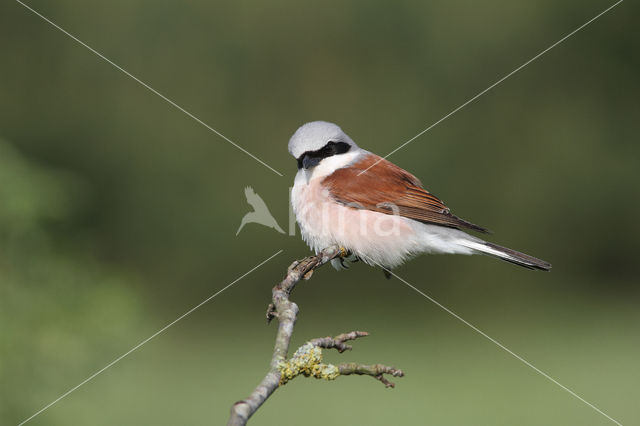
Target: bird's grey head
<point>317,140</point>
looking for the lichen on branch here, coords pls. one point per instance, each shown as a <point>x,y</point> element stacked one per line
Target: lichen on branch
<point>307,360</point>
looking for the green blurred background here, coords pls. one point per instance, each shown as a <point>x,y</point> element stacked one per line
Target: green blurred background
<point>118,212</point>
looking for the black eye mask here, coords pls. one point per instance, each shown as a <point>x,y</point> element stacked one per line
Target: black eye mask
<point>311,158</point>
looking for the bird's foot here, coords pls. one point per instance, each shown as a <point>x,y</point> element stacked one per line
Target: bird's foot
<point>343,252</point>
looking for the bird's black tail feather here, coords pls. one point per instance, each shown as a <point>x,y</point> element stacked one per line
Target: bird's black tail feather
<point>516,257</point>
<point>506,254</point>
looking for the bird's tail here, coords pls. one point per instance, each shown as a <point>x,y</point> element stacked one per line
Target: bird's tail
<point>508,255</point>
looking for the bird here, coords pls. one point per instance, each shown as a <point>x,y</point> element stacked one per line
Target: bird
<point>374,210</point>
<point>261,213</point>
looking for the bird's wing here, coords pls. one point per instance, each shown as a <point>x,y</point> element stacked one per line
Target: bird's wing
<point>386,188</point>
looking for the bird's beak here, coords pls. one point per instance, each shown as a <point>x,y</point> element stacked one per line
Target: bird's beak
<point>309,161</point>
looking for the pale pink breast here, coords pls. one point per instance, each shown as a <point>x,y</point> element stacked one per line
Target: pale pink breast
<point>323,222</point>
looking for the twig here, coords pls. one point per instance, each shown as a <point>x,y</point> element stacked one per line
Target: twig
<point>307,360</point>
<point>375,370</point>
<point>338,341</point>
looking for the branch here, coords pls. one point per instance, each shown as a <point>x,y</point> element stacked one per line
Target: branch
<point>307,360</point>
<point>338,341</point>
<point>376,371</point>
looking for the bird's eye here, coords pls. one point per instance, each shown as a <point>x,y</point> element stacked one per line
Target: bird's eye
<point>325,151</point>
<point>331,148</point>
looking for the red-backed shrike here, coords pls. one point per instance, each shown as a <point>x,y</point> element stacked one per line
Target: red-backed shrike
<point>377,211</point>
